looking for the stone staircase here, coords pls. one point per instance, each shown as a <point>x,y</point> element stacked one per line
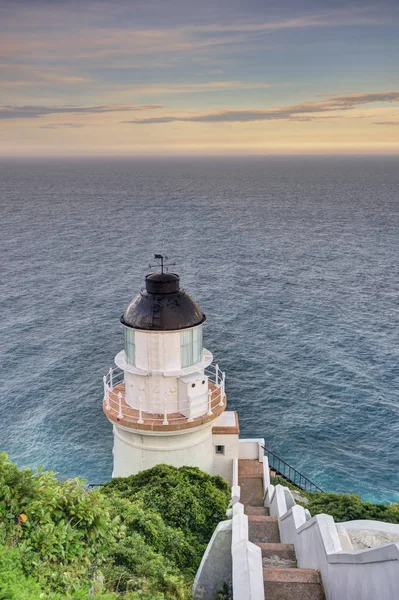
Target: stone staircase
<point>283,580</point>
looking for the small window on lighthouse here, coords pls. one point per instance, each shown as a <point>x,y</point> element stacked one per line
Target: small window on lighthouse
<point>129,346</point>
<point>219,449</point>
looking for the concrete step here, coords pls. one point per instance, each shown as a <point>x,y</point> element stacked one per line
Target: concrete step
<point>256,510</point>
<point>263,529</point>
<point>292,584</point>
<point>250,468</point>
<point>251,491</point>
<point>278,555</point>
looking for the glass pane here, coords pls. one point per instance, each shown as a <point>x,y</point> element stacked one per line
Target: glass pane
<point>186,348</point>
<point>129,346</point>
<point>190,346</point>
<point>197,344</point>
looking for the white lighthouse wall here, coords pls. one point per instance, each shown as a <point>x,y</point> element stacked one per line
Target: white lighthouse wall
<point>158,355</point>
<point>153,392</point>
<point>223,462</point>
<point>158,350</point>
<point>134,451</point>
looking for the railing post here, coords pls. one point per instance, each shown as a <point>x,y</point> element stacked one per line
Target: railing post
<point>209,403</point>
<point>165,414</point>
<point>216,374</point>
<point>111,387</point>
<point>140,421</point>
<point>222,389</point>
<point>106,395</point>
<point>120,415</point>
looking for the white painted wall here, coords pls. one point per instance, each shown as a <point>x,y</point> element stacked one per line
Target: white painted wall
<point>223,463</point>
<point>153,391</point>
<point>216,564</point>
<point>157,382</point>
<point>246,559</point>
<point>251,449</point>
<point>371,574</point>
<point>135,451</point>
<point>158,350</point>
<point>240,563</point>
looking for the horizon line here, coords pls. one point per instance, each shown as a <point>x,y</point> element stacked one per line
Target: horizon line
<point>199,155</point>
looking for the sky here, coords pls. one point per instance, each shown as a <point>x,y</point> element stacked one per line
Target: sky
<point>163,77</point>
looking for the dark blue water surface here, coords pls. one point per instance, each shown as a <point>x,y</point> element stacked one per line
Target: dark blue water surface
<point>294,261</point>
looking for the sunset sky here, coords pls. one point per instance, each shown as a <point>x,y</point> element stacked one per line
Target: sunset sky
<point>204,77</point>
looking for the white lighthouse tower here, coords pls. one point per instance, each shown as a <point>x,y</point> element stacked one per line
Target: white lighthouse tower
<point>165,398</point>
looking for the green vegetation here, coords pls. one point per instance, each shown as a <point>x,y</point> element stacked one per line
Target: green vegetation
<point>343,507</point>
<point>137,538</point>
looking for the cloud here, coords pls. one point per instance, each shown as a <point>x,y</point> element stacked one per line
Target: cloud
<point>326,19</point>
<point>393,123</point>
<point>57,125</point>
<point>308,109</point>
<point>194,88</point>
<point>34,112</point>
<point>93,40</point>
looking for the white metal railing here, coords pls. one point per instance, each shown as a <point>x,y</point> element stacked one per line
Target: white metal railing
<point>166,412</point>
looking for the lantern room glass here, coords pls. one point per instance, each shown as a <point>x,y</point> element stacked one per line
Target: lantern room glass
<point>190,346</point>
<point>130,348</point>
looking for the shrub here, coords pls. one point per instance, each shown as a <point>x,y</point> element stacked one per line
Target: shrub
<point>61,530</point>
<point>343,507</point>
<point>141,537</point>
<point>14,584</point>
<point>185,498</point>
<point>349,507</point>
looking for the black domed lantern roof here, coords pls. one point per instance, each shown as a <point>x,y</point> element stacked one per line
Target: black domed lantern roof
<point>162,306</point>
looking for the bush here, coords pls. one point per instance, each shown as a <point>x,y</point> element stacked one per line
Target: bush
<point>187,499</point>
<point>14,584</point>
<point>349,507</point>
<point>141,537</point>
<point>343,507</point>
<point>62,530</point>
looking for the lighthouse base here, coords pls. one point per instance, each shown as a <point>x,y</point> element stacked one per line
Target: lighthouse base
<point>210,447</point>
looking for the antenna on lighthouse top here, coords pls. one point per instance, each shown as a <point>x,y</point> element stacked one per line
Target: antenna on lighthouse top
<point>163,265</point>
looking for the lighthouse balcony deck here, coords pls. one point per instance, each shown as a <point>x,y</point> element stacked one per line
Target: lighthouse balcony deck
<point>120,412</point>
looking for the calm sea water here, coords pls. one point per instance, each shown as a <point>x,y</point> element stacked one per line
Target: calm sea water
<point>294,261</point>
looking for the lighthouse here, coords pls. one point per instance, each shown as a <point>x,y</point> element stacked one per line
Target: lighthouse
<point>165,397</point>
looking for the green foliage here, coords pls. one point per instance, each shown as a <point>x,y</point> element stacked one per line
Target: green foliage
<point>140,538</point>
<point>185,498</point>
<point>61,529</point>
<point>14,584</point>
<point>169,515</point>
<point>343,507</point>
<point>349,507</point>
<point>225,593</point>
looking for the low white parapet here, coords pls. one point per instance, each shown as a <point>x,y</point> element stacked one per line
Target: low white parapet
<point>246,560</point>
<point>216,564</point>
<point>251,449</point>
<point>367,574</point>
<point>230,557</point>
<point>247,572</point>
<point>266,475</point>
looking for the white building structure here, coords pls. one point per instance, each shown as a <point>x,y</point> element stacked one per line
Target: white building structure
<point>166,401</point>
<point>165,398</point>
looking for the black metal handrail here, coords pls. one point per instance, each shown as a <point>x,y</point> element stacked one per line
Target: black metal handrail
<point>289,473</point>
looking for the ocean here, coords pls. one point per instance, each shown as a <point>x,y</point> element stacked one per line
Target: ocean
<point>294,260</point>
